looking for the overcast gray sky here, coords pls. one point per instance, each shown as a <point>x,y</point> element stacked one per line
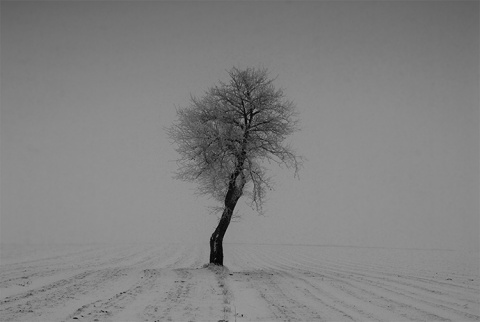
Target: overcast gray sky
<point>387,94</point>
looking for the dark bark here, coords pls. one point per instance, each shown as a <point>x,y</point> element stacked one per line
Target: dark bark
<point>216,241</point>
<point>234,192</point>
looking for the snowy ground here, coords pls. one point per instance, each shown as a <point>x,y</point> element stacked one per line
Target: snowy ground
<point>260,283</point>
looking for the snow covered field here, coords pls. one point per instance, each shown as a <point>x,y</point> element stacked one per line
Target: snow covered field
<point>147,282</point>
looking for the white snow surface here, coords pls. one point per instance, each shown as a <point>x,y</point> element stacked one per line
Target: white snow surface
<point>148,282</point>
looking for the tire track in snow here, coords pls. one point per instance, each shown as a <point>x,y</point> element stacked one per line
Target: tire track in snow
<point>428,285</point>
<point>418,303</point>
<point>412,294</point>
<point>405,301</point>
<point>404,288</point>
<point>158,283</point>
<point>18,274</point>
<point>91,281</point>
<point>104,310</point>
<point>191,295</point>
<point>40,301</point>
<point>282,301</point>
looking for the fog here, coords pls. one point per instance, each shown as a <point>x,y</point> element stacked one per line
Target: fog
<point>387,94</point>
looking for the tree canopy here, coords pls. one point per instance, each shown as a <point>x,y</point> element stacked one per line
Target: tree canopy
<point>227,136</point>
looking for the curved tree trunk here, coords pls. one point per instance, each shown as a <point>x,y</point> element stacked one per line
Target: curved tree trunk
<point>234,192</point>
<point>216,241</point>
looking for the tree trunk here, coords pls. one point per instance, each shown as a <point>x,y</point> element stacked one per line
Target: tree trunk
<point>235,189</point>
<point>216,241</point>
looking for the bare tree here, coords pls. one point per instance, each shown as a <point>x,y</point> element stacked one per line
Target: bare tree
<point>226,138</point>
